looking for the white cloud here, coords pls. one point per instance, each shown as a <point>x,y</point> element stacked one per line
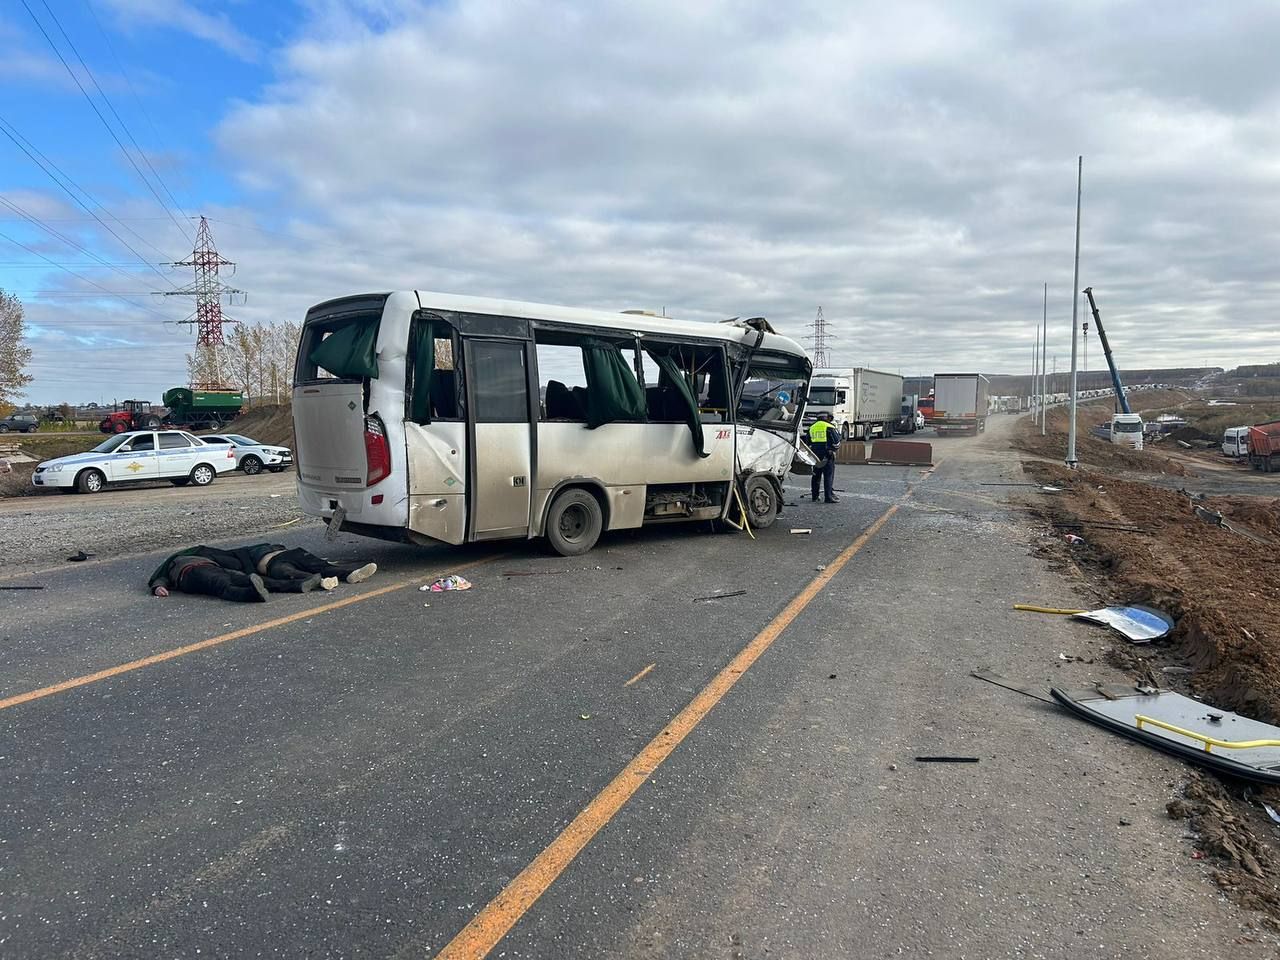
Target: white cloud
<point>910,167</point>
<point>187,17</point>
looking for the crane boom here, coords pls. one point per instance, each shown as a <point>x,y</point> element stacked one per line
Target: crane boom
<point>1106,349</point>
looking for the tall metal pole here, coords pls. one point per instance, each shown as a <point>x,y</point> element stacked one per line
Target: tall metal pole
<point>1044,347</point>
<point>1075,326</point>
<point>1035,372</point>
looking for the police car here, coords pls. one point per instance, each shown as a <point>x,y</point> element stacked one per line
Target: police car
<point>173,455</point>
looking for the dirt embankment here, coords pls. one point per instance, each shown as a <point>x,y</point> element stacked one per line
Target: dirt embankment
<point>272,423</point>
<point>1221,586</point>
<point>1091,450</point>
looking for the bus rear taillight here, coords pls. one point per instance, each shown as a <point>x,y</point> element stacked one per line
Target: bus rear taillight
<point>377,451</point>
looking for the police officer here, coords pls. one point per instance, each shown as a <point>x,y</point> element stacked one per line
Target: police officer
<point>824,438</point>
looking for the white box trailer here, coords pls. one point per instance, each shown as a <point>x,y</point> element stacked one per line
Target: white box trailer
<point>861,402</point>
<point>961,402</point>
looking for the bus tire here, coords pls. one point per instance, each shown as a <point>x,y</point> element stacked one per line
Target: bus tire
<point>574,522</point>
<point>761,500</point>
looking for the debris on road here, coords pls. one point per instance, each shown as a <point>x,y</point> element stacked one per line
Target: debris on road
<point>995,679</point>
<point>946,759</point>
<point>1135,622</point>
<point>720,596</point>
<point>80,556</point>
<point>802,530</point>
<point>1073,539</point>
<point>1224,742</point>
<point>452,582</point>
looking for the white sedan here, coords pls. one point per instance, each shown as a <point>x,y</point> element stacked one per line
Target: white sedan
<point>173,455</point>
<point>253,457</point>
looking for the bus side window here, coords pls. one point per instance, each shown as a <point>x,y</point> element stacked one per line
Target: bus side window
<point>704,371</point>
<point>562,382</point>
<point>433,388</point>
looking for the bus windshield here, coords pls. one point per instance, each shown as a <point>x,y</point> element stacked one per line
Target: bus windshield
<point>774,391</point>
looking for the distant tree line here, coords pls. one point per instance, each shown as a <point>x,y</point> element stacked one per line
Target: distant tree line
<point>1249,371</point>
<point>257,360</point>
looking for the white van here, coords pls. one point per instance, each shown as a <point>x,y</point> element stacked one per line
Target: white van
<point>1235,442</point>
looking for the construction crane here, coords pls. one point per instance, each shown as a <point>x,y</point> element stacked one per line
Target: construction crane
<point>1126,426</point>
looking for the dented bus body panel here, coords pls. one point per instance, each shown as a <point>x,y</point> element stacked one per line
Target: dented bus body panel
<point>486,446</point>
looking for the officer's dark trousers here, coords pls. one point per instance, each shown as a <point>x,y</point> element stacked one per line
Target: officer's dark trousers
<point>214,581</point>
<point>825,473</point>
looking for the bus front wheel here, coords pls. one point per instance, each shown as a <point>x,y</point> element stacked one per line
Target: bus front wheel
<point>762,501</point>
<point>574,523</point>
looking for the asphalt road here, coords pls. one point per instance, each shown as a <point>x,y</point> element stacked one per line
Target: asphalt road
<point>645,773</point>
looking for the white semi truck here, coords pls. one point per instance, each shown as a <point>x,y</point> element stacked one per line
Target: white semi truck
<point>861,402</point>
<point>960,403</point>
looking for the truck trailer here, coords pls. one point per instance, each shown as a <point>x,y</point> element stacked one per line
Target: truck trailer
<point>1264,446</point>
<point>858,401</point>
<point>960,403</point>
<point>202,409</point>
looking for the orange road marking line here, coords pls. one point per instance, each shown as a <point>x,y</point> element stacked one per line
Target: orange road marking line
<point>491,924</point>
<point>176,652</point>
<point>641,675</point>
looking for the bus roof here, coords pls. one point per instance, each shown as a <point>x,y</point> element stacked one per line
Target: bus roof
<point>642,323</point>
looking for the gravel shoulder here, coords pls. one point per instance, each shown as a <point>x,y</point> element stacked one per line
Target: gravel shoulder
<point>126,520</point>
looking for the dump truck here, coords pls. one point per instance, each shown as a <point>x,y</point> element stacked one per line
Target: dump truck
<point>858,401</point>
<point>960,403</point>
<point>202,409</point>
<point>1264,446</point>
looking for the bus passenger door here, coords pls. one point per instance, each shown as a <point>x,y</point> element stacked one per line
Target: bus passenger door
<point>501,461</point>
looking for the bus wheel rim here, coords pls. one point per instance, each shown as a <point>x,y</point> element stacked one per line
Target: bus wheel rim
<point>573,521</point>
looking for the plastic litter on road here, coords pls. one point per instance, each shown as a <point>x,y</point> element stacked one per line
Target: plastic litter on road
<point>453,582</point>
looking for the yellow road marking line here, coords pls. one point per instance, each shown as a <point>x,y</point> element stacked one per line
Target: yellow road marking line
<point>491,924</point>
<point>641,675</point>
<point>176,652</point>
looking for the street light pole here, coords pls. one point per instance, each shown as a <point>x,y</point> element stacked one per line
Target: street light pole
<point>1075,327</point>
<point>1044,346</point>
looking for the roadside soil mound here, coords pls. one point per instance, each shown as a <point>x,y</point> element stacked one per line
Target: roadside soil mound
<point>1215,582</point>
<point>1092,451</point>
<point>272,423</point>
<point>1222,589</point>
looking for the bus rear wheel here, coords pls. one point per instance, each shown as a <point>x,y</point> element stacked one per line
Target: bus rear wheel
<point>574,523</point>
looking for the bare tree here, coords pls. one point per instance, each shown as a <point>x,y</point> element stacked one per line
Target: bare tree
<point>14,357</point>
<point>258,359</point>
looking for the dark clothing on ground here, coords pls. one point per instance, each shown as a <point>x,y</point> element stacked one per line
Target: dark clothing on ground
<point>208,578</point>
<point>287,571</point>
<point>299,564</point>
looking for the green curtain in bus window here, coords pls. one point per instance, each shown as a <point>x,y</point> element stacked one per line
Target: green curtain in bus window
<point>613,393</point>
<point>423,350</point>
<point>350,352</point>
<point>676,377</point>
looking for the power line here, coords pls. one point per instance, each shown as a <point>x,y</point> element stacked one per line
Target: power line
<point>106,37</point>
<point>34,220</point>
<point>10,131</point>
<point>92,283</point>
<point>128,156</point>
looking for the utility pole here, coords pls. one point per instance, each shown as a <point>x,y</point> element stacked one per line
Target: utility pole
<point>1075,329</point>
<point>208,291</point>
<point>1035,371</point>
<point>1044,346</point>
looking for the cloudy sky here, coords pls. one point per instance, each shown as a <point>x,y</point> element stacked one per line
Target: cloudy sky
<point>910,167</point>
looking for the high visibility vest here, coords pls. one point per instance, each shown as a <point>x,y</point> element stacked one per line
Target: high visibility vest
<point>818,432</point>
